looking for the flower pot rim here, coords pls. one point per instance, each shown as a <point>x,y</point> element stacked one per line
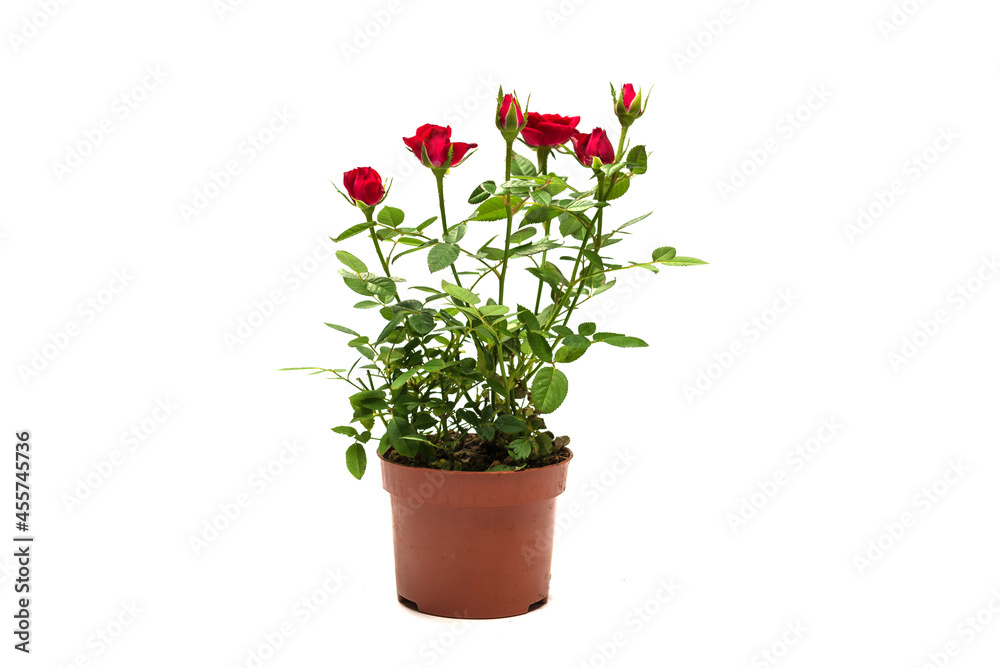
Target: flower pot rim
<point>490,473</point>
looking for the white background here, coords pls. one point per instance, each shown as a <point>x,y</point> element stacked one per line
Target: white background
<point>857,295</point>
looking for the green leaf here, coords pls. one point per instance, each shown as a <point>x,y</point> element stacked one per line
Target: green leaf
<point>441,256</point>
<point>548,389</point>
<point>541,196</point>
<point>624,341</point>
<point>381,285</point>
<point>576,341</point>
<point>569,225</point>
<point>393,324</point>
<point>438,365</point>
<point>352,230</point>
<point>521,166</point>
<point>460,293</point>
<point>636,220</point>
<point>664,253</point>
<point>367,303</point>
<point>401,379</point>
<point>423,245</point>
<point>636,160</point>
<point>619,188</point>
<point>523,234</point>
<point>357,460</point>
<point>396,429</point>
<point>422,226</point>
<point>423,322</point>
<point>494,309</point>
<point>482,192</point>
<point>390,216</point>
<point>455,233</point>
<point>587,328</point>
<point>540,346</point>
<point>565,355</point>
<point>355,265</point>
<point>538,214</point>
<point>581,205</point>
<point>531,249</point>
<point>519,449</point>
<point>528,319</point>
<point>509,424</point>
<point>346,431</point>
<point>549,274</point>
<point>341,328</point>
<point>491,209</point>
<point>682,261</point>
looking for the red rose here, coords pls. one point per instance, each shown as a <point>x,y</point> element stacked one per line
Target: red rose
<point>505,119</point>
<point>593,145</point>
<point>364,185</point>
<point>432,143</point>
<point>549,129</point>
<point>628,95</point>
<point>628,104</point>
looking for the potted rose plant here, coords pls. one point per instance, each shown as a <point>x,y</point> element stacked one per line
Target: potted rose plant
<point>456,382</point>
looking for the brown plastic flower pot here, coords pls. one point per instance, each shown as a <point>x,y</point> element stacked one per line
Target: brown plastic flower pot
<point>473,545</point>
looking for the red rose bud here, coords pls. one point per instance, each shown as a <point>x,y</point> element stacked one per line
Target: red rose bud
<point>510,119</point>
<point>628,104</point>
<point>364,185</point>
<point>549,129</point>
<point>593,146</point>
<point>432,145</point>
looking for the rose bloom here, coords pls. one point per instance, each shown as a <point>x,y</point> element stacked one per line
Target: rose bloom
<point>549,129</point>
<point>503,120</point>
<point>593,145</point>
<point>364,185</point>
<point>436,141</point>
